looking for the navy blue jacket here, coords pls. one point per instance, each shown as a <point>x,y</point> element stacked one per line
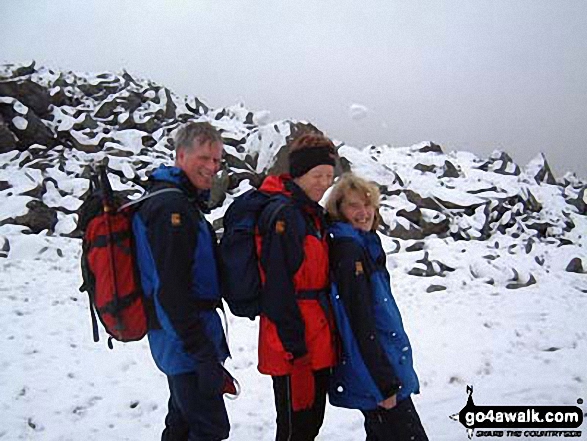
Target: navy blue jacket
<point>176,250</point>
<point>376,360</point>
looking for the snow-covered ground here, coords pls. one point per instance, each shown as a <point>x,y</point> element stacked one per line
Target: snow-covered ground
<point>515,346</point>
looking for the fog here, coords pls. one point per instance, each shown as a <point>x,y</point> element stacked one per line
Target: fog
<point>477,76</point>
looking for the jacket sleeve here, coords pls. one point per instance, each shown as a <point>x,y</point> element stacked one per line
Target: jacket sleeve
<point>173,226</point>
<point>282,255</point>
<point>355,291</point>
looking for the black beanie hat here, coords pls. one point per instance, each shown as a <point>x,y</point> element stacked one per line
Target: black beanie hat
<point>308,151</point>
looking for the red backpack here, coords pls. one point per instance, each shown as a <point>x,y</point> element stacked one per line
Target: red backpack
<point>109,269</point>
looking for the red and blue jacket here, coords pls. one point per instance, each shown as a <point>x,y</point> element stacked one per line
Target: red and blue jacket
<point>176,250</point>
<point>294,267</point>
<point>376,360</point>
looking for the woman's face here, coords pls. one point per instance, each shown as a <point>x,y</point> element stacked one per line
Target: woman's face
<point>316,181</point>
<point>358,210</point>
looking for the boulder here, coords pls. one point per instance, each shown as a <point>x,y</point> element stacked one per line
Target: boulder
<point>425,168</point>
<point>219,189</point>
<point>449,171</point>
<point>500,162</point>
<point>4,246</point>
<point>575,266</point>
<point>580,201</point>
<point>31,94</point>
<point>8,141</point>
<point>431,268</point>
<point>539,169</point>
<point>24,70</point>
<point>39,217</point>
<point>431,148</point>
<point>28,128</point>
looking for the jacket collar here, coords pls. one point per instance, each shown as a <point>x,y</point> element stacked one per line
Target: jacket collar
<point>367,239</point>
<point>175,176</point>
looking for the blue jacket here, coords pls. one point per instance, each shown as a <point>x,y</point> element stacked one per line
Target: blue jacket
<point>176,249</point>
<point>376,359</point>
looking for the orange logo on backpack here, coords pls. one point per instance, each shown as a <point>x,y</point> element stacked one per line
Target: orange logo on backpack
<point>280,227</point>
<point>175,219</point>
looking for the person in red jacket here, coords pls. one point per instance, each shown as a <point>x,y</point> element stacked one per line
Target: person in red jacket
<point>296,336</point>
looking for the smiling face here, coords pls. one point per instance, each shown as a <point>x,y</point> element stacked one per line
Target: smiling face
<point>316,181</point>
<point>358,210</point>
<point>200,163</point>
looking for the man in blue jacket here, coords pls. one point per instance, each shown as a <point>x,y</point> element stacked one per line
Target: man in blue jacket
<point>176,255</point>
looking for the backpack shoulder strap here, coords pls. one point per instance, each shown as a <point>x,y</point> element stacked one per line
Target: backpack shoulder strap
<point>149,195</point>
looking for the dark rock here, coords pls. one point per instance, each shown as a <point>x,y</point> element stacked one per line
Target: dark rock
<point>40,217</point>
<point>8,141</point>
<point>502,163</point>
<point>434,148</point>
<point>417,246</point>
<point>69,140</point>
<point>87,123</point>
<point>219,189</point>
<point>518,285</point>
<point>170,107</point>
<point>148,141</point>
<point>483,190</point>
<point>233,142</point>
<point>198,108</point>
<point>433,268</point>
<point>575,266</point>
<point>345,165</point>
<point>4,185</point>
<point>4,246</point>
<point>31,94</point>
<point>415,232</point>
<point>414,216</point>
<point>579,201</point>
<point>544,173</point>
<point>281,162</point>
<point>36,192</point>
<point>434,288</point>
<point>237,177</point>
<point>106,110</point>
<point>35,132</point>
<point>425,168</point>
<point>24,70</point>
<point>450,171</point>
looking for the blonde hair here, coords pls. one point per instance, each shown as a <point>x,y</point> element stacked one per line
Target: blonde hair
<point>350,182</point>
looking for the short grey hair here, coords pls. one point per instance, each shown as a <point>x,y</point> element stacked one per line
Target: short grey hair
<point>196,133</point>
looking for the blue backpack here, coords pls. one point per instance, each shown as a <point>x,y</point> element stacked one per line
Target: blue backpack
<point>239,263</point>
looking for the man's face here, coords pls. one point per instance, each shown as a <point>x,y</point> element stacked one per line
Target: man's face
<point>200,163</point>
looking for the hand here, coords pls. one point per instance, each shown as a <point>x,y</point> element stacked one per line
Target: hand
<point>302,384</point>
<point>210,378</point>
<point>388,403</point>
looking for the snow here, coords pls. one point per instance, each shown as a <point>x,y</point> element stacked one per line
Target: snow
<point>20,123</point>
<point>524,346</point>
<point>509,321</point>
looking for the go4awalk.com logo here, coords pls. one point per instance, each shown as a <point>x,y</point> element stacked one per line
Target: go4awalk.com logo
<point>520,421</point>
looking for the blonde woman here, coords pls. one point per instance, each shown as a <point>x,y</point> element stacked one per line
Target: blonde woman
<point>375,373</point>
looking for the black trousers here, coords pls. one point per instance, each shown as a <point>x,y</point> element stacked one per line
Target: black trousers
<point>400,423</point>
<point>196,409</point>
<point>303,425</point>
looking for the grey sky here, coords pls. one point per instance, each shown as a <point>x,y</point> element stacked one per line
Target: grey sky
<point>471,75</point>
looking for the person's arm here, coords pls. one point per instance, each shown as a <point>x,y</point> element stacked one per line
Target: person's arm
<point>173,226</point>
<point>282,255</point>
<point>350,273</point>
